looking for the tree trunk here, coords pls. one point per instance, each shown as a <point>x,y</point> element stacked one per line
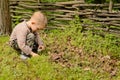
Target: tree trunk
<point>5,19</point>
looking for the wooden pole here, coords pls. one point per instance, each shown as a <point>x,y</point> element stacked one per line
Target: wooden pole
<point>110,6</point>
<point>5,20</point>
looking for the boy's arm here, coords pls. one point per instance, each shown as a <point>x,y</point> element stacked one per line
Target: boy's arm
<point>21,40</point>
<point>33,54</point>
<point>38,39</point>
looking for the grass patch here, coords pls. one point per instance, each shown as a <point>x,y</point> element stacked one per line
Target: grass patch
<point>70,55</point>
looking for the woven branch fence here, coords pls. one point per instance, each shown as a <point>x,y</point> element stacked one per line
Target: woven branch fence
<point>59,13</point>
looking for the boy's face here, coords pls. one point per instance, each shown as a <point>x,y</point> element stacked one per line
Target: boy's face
<point>35,26</point>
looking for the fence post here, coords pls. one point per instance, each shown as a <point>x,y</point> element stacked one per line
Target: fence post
<point>110,6</point>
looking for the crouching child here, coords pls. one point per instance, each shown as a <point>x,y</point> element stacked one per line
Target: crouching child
<point>25,36</point>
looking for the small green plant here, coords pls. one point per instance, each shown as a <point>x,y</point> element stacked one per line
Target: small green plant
<point>16,20</point>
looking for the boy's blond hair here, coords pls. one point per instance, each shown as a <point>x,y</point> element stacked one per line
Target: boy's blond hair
<point>39,17</point>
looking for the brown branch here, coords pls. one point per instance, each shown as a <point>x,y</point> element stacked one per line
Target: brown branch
<point>23,0</point>
<point>63,19</point>
<point>90,5</point>
<point>20,12</point>
<point>105,19</point>
<point>108,15</point>
<point>69,2</point>
<point>30,7</point>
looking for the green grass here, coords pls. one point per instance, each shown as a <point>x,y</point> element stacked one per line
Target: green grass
<point>85,56</point>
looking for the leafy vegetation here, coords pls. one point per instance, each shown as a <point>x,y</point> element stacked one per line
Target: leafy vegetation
<point>70,54</point>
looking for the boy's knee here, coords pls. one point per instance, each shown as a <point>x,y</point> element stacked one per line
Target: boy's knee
<point>14,44</point>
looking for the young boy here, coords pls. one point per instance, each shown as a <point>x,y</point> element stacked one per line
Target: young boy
<point>25,37</point>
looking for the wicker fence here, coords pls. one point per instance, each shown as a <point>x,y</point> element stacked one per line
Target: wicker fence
<point>66,11</point>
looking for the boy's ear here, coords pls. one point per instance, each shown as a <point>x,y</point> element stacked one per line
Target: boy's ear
<point>32,22</point>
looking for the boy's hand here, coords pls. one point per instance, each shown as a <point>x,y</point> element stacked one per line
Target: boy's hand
<point>41,47</point>
<point>34,54</point>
